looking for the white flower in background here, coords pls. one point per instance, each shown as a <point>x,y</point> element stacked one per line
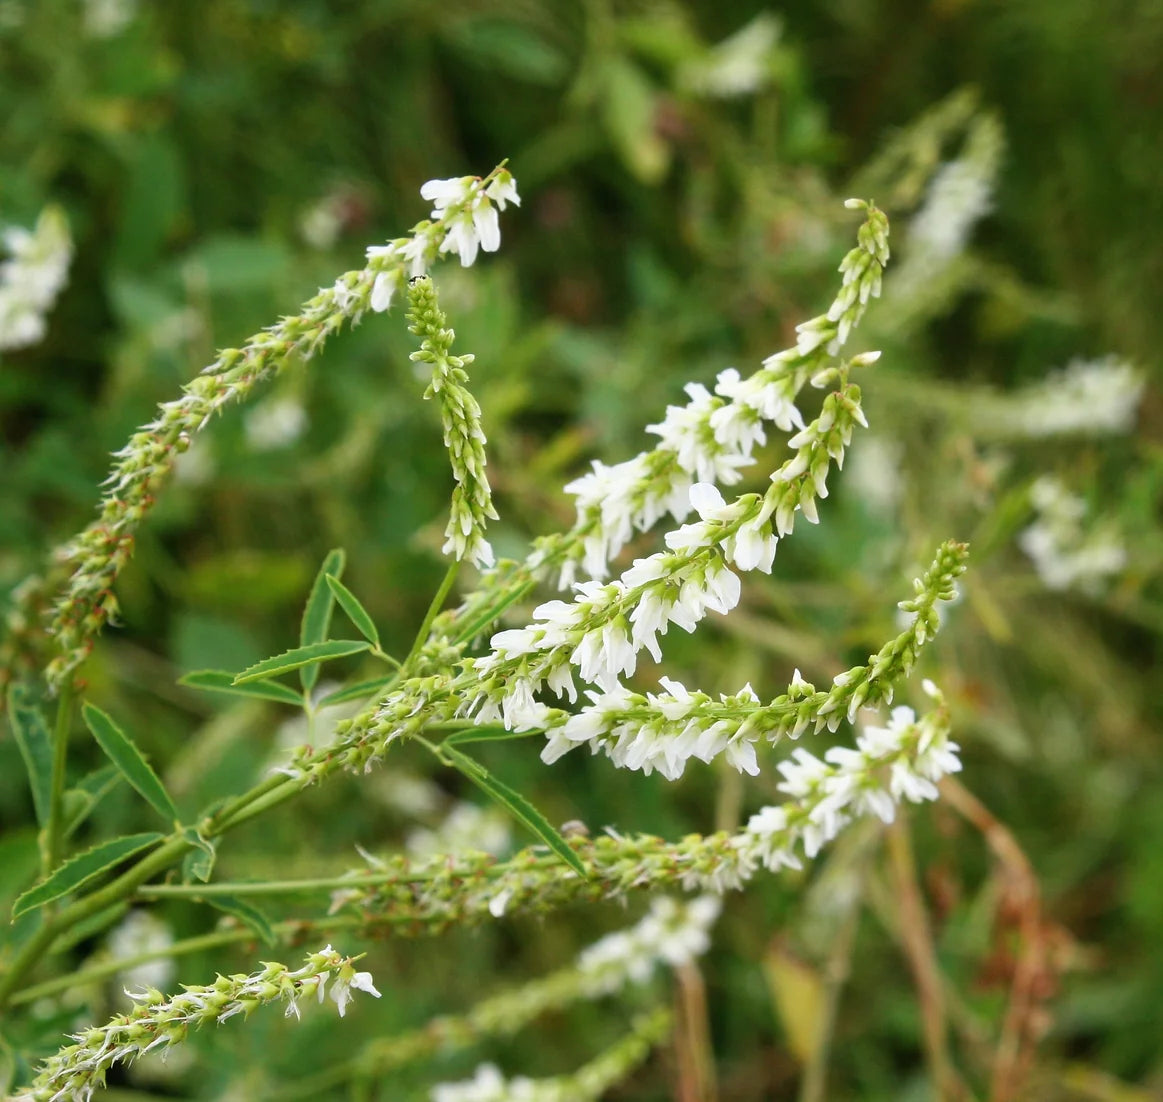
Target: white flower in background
<point>959,197</point>
<point>1066,552</point>
<point>323,221</point>
<point>141,932</point>
<point>276,423</point>
<point>1087,397</point>
<point>737,66</point>
<point>468,827</point>
<point>410,794</point>
<point>32,277</point>
<point>874,475</point>
<point>195,467</point>
<point>673,932</point>
<point>108,18</point>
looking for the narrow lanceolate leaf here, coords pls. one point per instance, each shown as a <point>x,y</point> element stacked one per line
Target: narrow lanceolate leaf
<point>35,744</point>
<point>356,692</point>
<point>356,613</point>
<point>310,655</point>
<point>134,768</point>
<point>516,804</point>
<point>247,913</point>
<point>198,864</point>
<point>87,793</point>
<point>317,614</point>
<point>222,681</point>
<point>79,870</point>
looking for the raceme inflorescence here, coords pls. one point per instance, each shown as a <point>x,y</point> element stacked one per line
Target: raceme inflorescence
<point>571,672</point>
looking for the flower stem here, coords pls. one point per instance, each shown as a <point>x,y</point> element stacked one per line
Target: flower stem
<point>433,610</point>
<point>54,830</point>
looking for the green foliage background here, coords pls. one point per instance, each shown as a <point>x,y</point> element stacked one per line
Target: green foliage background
<point>663,236</point>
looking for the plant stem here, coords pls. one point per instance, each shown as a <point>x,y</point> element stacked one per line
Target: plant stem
<point>287,929</point>
<point>54,830</point>
<point>433,610</point>
<point>917,939</point>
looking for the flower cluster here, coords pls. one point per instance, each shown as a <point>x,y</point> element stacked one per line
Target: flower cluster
<point>32,277</point>
<point>588,1083</point>
<point>460,416</point>
<point>740,65</point>
<point>1065,551</point>
<point>672,932</point>
<point>603,629</point>
<point>712,436</point>
<point>463,220</point>
<point>665,730</point>
<point>958,197</point>
<point>157,1022</point>
<point>96,557</point>
<point>1087,397</point>
<point>904,760</point>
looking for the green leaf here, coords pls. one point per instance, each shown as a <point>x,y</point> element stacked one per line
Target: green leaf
<point>35,744</point>
<point>87,793</point>
<point>356,692</point>
<point>356,613</point>
<point>81,869</point>
<point>492,613</point>
<point>312,654</point>
<point>317,614</point>
<point>247,913</point>
<point>485,733</point>
<point>519,807</point>
<point>198,864</point>
<point>222,681</point>
<point>121,751</point>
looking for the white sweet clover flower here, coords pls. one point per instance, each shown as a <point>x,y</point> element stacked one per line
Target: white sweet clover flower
<point>589,1083</point>
<point>713,436</point>
<point>664,730</point>
<point>1088,398</point>
<point>460,416</point>
<point>32,276</point>
<point>1067,552</point>
<point>108,18</point>
<point>276,423</point>
<point>466,827</point>
<point>600,633</point>
<point>738,66</point>
<point>473,222</point>
<point>958,197</point>
<point>673,932</point>
<point>98,554</point>
<point>902,761</point>
<point>157,1022</point>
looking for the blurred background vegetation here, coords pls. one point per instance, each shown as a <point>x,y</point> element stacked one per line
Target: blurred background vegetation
<point>682,167</point>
